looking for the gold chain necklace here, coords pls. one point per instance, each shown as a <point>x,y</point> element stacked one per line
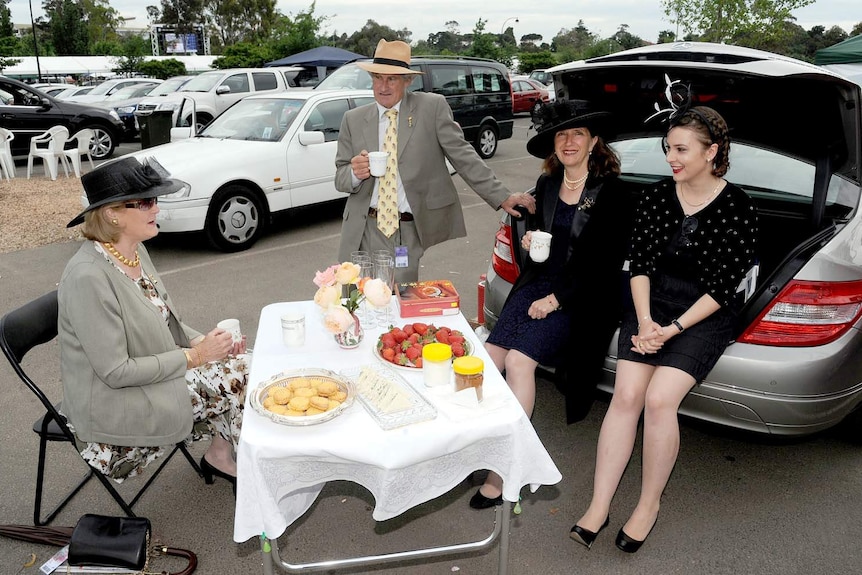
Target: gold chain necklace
<point>572,185</point>
<point>123,259</point>
<point>712,193</point>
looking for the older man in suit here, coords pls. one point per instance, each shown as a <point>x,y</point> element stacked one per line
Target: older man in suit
<point>415,204</point>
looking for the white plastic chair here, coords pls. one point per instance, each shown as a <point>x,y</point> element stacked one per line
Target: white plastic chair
<point>7,164</point>
<point>84,139</point>
<point>48,146</point>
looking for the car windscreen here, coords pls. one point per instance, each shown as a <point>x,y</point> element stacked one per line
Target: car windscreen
<point>349,76</point>
<point>168,86</point>
<point>262,120</point>
<point>203,83</point>
<point>763,174</point>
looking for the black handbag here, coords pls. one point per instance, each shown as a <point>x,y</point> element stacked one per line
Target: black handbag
<point>110,542</point>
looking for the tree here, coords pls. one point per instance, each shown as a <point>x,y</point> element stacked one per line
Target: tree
<point>529,61</point>
<point>296,34</point>
<point>484,45</point>
<point>724,20</point>
<point>68,27</point>
<point>857,29</point>
<point>102,21</point>
<point>666,36</point>
<point>6,27</point>
<point>625,39</point>
<point>163,69</point>
<point>365,41</point>
<point>134,48</point>
<point>573,44</point>
<point>242,20</point>
<point>244,55</point>
<point>183,14</point>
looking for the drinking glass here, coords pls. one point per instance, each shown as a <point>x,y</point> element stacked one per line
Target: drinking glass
<point>366,270</point>
<point>384,269</point>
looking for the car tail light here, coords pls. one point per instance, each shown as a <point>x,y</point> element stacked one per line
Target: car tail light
<point>503,259</point>
<point>806,314</point>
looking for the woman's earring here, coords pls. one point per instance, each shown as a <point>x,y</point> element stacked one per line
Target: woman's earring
<point>115,221</point>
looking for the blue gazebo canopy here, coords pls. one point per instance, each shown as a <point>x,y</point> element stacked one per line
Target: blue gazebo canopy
<point>322,56</point>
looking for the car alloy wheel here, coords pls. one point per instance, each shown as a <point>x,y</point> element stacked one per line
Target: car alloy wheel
<point>486,142</point>
<point>103,143</point>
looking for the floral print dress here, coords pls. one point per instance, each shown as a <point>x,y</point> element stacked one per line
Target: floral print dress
<point>216,395</point>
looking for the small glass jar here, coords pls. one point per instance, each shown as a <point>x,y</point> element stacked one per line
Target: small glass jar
<point>469,372</point>
<point>436,364</point>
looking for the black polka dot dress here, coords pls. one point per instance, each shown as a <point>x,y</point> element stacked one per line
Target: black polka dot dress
<point>708,252</point>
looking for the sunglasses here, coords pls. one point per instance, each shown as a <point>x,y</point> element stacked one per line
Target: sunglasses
<point>143,205</point>
<point>689,225</point>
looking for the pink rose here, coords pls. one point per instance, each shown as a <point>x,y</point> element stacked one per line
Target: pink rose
<point>347,273</point>
<point>337,319</point>
<point>327,295</point>
<point>377,292</point>
<point>326,277</point>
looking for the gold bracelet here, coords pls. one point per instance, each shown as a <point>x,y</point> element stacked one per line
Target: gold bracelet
<point>200,357</point>
<point>189,361</point>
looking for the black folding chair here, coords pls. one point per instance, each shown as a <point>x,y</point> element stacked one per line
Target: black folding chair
<point>21,330</point>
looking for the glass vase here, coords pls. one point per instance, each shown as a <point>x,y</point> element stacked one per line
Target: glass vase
<point>352,337</point>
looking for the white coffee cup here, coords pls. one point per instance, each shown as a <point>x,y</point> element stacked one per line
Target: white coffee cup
<point>377,163</point>
<point>232,326</point>
<point>540,246</point>
<point>293,328</point>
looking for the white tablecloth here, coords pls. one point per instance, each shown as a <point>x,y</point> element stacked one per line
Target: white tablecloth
<point>282,469</point>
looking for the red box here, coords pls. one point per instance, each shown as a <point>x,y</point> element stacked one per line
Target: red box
<point>435,297</point>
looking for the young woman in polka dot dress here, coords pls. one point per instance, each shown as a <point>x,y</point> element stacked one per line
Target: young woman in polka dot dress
<point>693,242</point>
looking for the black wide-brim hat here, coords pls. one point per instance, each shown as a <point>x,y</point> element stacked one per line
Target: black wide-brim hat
<point>562,115</point>
<point>125,179</point>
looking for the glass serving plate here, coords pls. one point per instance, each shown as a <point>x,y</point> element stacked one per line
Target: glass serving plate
<point>285,378</point>
<point>415,407</point>
<point>468,350</point>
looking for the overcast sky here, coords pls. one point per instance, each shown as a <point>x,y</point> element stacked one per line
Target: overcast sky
<point>423,17</point>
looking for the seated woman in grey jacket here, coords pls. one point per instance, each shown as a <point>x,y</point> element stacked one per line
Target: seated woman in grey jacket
<point>136,379</point>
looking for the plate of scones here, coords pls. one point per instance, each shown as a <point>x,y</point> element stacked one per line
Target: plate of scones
<point>303,396</point>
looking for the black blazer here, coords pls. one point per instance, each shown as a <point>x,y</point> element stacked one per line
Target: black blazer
<point>591,288</point>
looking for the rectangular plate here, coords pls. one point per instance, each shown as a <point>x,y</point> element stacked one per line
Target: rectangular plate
<point>419,410</point>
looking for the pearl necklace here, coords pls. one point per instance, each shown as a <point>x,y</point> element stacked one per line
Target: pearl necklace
<point>709,197</point>
<point>572,185</point>
<point>123,259</point>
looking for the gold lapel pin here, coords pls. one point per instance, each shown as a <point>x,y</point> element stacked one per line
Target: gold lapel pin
<point>409,121</point>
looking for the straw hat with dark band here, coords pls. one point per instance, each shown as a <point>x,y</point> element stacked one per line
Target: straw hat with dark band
<point>390,58</point>
<point>125,179</point>
<point>562,115</point>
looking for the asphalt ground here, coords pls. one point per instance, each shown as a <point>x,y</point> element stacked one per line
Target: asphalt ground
<point>735,503</point>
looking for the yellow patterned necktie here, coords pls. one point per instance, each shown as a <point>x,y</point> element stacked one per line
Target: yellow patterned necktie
<point>387,192</point>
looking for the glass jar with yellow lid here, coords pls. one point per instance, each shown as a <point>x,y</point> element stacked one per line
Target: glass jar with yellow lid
<point>436,364</point>
<point>469,372</point>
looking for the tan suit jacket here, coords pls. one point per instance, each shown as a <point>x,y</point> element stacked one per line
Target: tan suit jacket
<point>427,136</point>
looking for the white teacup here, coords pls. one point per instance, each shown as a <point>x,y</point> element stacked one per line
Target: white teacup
<point>377,163</point>
<point>540,246</point>
<point>232,326</point>
<point>293,328</point>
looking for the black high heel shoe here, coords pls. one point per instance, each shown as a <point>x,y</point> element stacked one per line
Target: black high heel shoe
<point>209,471</point>
<point>629,545</point>
<point>586,537</point>
<point>479,501</point>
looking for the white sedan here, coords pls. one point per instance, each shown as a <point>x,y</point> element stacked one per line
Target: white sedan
<point>262,155</point>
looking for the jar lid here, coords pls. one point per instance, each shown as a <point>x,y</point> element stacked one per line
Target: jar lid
<point>468,365</point>
<point>436,352</point>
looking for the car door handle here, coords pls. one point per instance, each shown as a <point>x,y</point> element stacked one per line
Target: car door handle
<point>7,116</point>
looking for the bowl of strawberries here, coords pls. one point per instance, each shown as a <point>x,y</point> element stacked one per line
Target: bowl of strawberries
<point>402,346</point>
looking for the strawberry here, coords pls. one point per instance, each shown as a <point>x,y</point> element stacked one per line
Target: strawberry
<point>400,359</point>
<point>399,335</point>
<point>417,362</point>
<point>458,350</point>
<point>388,340</point>
<point>444,328</point>
<point>408,329</point>
<point>456,338</point>
<point>456,333</point>
<point>420,328</point>
<point>442,336</point>
<point>388,353</point>
<point>412,353</point>
<point>414,338</point>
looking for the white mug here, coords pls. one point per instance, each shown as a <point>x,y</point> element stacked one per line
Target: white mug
<point>232,326</point>
<point>293,328</point>
<point>540,246</point>
<point>377,163</point>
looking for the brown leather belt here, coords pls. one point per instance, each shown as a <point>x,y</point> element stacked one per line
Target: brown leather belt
<point>402,216</point>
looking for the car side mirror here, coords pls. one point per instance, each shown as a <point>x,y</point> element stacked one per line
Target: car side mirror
<point>45,103</point>
<point>183,133</point>
<point>311,138</point>
<point>223,90</point>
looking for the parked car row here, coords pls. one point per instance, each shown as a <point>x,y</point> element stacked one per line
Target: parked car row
<point>794,365</point>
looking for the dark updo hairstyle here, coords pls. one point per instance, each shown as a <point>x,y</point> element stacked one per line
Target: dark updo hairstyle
<point>710,128</point>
